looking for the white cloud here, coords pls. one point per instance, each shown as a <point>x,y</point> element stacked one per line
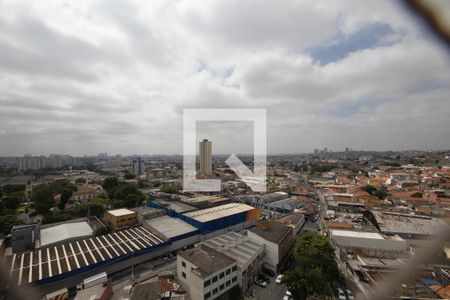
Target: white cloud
<point>88,77</point>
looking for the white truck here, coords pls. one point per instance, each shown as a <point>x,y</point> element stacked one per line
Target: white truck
<point>101,278</point>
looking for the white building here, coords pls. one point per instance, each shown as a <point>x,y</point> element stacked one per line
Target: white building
<point>249,254</point>
<point>206,273</point>
<point>371,244</point>
<point>277,239</point>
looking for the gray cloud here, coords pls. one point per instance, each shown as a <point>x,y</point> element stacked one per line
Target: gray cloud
<point>114,76</point>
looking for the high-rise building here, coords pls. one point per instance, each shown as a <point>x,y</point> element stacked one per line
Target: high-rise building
<point>205,157</point>
<point>137,166</point>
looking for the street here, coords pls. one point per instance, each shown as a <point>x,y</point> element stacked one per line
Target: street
<point>271,291</point>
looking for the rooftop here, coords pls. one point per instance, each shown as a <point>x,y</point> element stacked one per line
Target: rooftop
<point>217,212</point>
<point>389,222</point>
<point>170,227</point>
<point>271,231</point>
<point>65,231</point>
<point>207,260</point>
<point>39,264</point>
<point>120,212</point>
<point>236,246</point>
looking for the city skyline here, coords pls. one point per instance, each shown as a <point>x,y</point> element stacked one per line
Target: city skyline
<point>89,77</point>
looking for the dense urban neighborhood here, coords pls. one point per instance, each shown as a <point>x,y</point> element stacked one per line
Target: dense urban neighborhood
<point>331,224</point>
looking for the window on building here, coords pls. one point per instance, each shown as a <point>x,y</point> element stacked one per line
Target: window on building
<point>183,264</point>
<point>207,295</point>
<point>228,271</point>
<point>183,274</point>
<point>214,291</point>
<point>214,279</point>
<point>222,286</point>
<point>221,275</point>
<point>207,283</point>
<point>234,268</point>
<point>234,279</point>
<point>228,283</point>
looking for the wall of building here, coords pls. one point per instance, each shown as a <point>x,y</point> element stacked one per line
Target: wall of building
<point>195,285</point>
<point>121,221</point>
<point>271,250</point>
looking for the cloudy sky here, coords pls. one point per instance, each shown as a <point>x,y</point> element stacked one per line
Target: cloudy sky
<point>83,77</point>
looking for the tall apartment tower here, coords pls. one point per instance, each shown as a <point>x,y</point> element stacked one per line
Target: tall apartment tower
<point>205,157</point>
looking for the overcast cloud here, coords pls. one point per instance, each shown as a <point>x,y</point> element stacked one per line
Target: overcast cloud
<point>83,77</point>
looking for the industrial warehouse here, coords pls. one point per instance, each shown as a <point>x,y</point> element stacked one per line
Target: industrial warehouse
<point>68,262</point>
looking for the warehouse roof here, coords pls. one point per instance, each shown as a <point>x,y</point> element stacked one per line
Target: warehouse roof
<point>120,212</point>
<point>65,231</point>
<point>236,246</point>
<point>389,222</point>
<point>170,227</point>
<point>217,212</point>
<point>368,240</point>
<point>207,260</point>
<point>39,264</point>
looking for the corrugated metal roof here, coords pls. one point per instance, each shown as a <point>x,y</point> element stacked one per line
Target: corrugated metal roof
<point>65,231</point>
<point>218,212</point>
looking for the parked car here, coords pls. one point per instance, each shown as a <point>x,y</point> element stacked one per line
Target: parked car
<point>279,278</point>
<point>350,295</point>
<point>260,282</point>
<point>341,295</point>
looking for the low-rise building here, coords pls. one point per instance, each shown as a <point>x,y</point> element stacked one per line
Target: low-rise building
<point>277,239</point>
<point>23,237</point>
<point>119,218</point>
<point>371,244</point>
<point>248,253</point>
<point>295,221</point>
<point>206,273</point>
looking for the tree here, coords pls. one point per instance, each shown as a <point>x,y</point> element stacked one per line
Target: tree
<point>369,189</point>
<point>129,176</point>
<point>11,202</point>
<point>169,188</point>
<point>7,222</point>
<point>131,200</point>
<point>65,196</point>
<point>42,197</point>
<point>109,184</point>
<point>317,266</point>
<point>13,188</point>
<point>80,180</point>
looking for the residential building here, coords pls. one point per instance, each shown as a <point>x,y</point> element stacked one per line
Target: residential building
<point>205,157</point>
<point>119,218</point>
<point>206,273</point>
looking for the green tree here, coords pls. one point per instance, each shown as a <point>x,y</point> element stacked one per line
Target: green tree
<point>109,184</point>
<point>42,197</point>
<point>131,200</point>
<point>317,266</point>
<point>56,217</point>
<point>65,196</point>
<point>7,222</point>
<point>129,176</point>
<point>80,180</point>
<point>169,188</point>
<point>11,202</point>
<point>13,188</point>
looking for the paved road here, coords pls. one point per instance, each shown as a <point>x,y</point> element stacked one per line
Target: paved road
<point>271,291</point>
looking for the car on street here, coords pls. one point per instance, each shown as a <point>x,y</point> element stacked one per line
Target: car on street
<point>341,295</point>
<point>350,295</point>
<point>260,282</point>
<point>279,278</point>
